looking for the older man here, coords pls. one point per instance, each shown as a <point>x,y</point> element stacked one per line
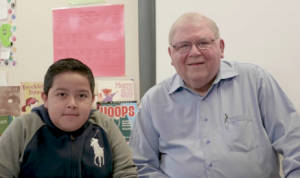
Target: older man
<point>214,118</point>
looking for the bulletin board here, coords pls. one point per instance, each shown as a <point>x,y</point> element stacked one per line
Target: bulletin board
<point>94,35</point>
<point>35,40</point>
<point>8,33</point>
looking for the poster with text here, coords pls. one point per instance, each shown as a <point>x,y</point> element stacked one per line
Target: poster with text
<point>115,90</point>
<point>30,96</point>
<point>123,113</point>
<point>94,35</point>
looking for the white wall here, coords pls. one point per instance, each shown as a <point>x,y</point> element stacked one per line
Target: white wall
<point>35,43</point>
<point>265,32</point>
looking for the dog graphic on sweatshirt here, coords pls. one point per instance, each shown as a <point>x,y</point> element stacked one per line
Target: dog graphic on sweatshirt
<point>98,151</point>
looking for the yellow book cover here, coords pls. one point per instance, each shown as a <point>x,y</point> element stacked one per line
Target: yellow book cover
<point>30,96</point>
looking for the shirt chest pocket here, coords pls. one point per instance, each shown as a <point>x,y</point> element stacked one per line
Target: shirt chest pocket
<point>240,133</point>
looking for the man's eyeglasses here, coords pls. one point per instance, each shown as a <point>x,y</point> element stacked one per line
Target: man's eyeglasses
<point>186,46</point>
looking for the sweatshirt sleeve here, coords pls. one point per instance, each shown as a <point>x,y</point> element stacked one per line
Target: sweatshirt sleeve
<point>13,142</point>
<point>123,165</point>
<point>11,146</point>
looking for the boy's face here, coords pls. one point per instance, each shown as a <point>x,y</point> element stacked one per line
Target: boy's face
<point>69,101</point>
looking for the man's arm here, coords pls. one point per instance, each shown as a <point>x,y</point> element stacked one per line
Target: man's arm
<point>281,121</point>
<point>144,143</point>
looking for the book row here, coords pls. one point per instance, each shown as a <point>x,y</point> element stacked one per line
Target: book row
<point>19,100</point>
<point>114,98</point>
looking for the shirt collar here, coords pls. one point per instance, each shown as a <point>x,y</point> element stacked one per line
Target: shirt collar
<point>225,71</point>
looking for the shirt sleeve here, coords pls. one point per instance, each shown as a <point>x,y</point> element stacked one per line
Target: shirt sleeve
<point>281,122</point>
<point>123,166</point>
<point>144,143</point>
<point>10,149</point>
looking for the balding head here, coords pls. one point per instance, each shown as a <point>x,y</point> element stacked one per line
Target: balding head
<point>195,19</point>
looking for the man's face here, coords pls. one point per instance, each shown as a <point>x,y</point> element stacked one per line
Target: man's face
<point>198,68</point>
<point>69,101</point>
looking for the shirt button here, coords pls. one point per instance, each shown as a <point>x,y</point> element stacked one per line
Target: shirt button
<point>207,141</point>
<point>205,119</point>
<point>210,165</point>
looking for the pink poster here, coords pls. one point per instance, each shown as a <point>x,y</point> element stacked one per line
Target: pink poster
<point>93,35</point>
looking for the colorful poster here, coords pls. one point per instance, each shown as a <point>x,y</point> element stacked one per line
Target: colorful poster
<point>9,100</point>
<point>93,35</point>
<point>8,37</point>
<point>73,2</point>
<point>123,113</point>
<point>115,90</point>
<point>30,96</point>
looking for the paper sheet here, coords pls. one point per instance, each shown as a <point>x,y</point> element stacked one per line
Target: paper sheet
<point>3,9</point>
<point>73,2</point>
<point>3,78</point>
<point>5,53</point>
<point>93,35</point>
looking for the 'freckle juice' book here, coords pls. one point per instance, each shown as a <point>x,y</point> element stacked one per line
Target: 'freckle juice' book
<point>115,90</point>
<point>30,96</point>
<point>123,113</point>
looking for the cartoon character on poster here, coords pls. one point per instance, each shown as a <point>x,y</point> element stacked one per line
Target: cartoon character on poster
<point>30,102</point>
<point>108,95</point>
<point>5,34</point>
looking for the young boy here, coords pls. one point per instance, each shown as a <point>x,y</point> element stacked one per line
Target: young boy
<point>63,137</point>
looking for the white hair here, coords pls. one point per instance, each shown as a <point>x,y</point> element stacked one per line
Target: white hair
<point>193,18</point>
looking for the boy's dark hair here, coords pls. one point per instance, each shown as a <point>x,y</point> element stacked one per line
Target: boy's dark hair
<point>67,65</point>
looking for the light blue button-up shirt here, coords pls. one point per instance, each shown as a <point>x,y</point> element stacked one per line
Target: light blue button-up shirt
<point>234,131</point>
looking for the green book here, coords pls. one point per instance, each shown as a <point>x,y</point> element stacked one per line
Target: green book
<point>4,122</point>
